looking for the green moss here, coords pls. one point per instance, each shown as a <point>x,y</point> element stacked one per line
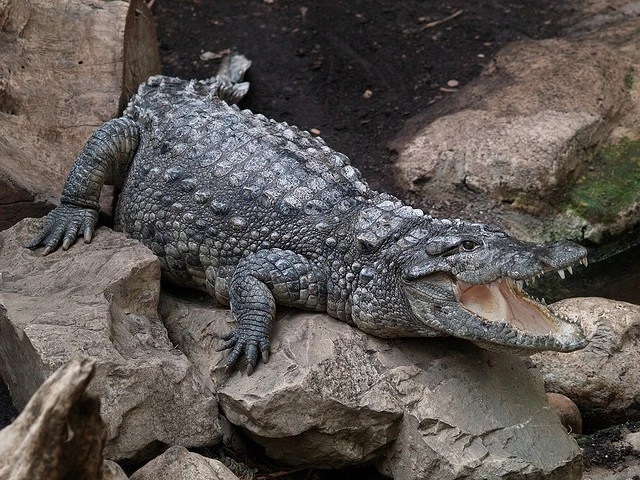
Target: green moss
<point>611,183</point>
<point>628,81</point>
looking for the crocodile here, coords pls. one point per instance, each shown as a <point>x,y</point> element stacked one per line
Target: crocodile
<point>258,213</point>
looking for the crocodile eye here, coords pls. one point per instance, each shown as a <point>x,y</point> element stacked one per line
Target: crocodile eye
<point>468,245</point>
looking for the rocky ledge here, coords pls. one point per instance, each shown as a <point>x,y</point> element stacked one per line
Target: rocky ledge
<point>330,395</point>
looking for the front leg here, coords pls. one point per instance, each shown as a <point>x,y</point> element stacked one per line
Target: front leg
<point>104,159</point>
<point>259,282</point>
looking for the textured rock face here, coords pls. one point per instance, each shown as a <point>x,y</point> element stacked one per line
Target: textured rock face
<point>515,159</point>
<point>56,87</point>
<point>177,463</point>
<point>503,138</point>
<point>515,139</point>
<point>602,379</point>
<point>100,300</point>
<point>60,434</point>
<point>332,395</point>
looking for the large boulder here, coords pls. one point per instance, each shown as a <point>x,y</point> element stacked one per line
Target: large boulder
<point>66,66</point>
<point>101,300</point>
<point>603,379</point>
<point>536,142</point>
<point>427,408</point>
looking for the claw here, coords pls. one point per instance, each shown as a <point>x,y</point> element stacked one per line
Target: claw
<point>226,345</point>
<point>233,357</point>
<point>68,241</point>
<point>62,226</point>
<point>88,234</point>
<point>229,335</point>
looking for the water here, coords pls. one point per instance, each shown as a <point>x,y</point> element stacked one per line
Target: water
<point>613,272</point>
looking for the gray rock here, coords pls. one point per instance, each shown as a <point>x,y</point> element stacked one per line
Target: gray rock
<point>517,159</point>
<point>177,463</point>
<point>112,471</point>
<point>603,378</point>
<point>511,142</point>
<point>59,434</point>
<point>101,300</point>
<point>332,396</point>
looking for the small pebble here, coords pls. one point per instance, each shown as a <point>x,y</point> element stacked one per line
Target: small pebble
<point>567,411</point>
<point>206,56</point>
<point>367,94</point>
<point>481,55</point>
<point>453,83</point>
<point>314,131</point>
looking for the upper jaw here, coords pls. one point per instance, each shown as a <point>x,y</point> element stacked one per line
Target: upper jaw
<point>528,264</point>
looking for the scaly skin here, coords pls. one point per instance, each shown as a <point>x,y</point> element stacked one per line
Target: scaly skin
<point>259,213</point>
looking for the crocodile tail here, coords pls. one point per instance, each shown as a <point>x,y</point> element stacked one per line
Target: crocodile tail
<point>227,82</point>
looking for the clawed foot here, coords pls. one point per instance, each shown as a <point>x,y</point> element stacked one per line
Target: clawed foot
<point>64,224</point>
<point>251,345</point>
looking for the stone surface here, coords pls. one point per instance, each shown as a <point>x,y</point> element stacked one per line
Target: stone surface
<point>66,66</point>
<point>510,143</point>
<point>101,300</point>
<point>60,434</point>
<point>112,471</point>
<point>567,411</point>
<point>332,396</point>
<point>177,463</point>
<point>602,379</point>
<point>517,159</point>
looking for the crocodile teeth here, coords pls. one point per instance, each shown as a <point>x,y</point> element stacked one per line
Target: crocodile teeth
<point>520,284</point>
<point>585,262</point>
<point>570,270</point>
<point>561,273</point>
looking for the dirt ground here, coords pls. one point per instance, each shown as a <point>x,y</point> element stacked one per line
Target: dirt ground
<point>353,69</point>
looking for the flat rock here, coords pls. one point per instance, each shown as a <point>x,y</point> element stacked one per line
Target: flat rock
<point>66,66</point>
<point>178,463</point>
<point>101,300</point>
<point>603,378</point>
<point>488,153</point>
<point>332,396</point>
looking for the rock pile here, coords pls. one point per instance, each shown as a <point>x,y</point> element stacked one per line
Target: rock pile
<point>330,395</point>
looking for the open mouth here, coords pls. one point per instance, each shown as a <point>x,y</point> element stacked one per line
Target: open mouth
<point>504,301</point>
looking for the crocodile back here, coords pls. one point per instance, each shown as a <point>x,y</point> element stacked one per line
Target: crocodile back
<point>210,183</point>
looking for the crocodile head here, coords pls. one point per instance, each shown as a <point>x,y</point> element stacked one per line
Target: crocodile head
<point>465,280</point>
